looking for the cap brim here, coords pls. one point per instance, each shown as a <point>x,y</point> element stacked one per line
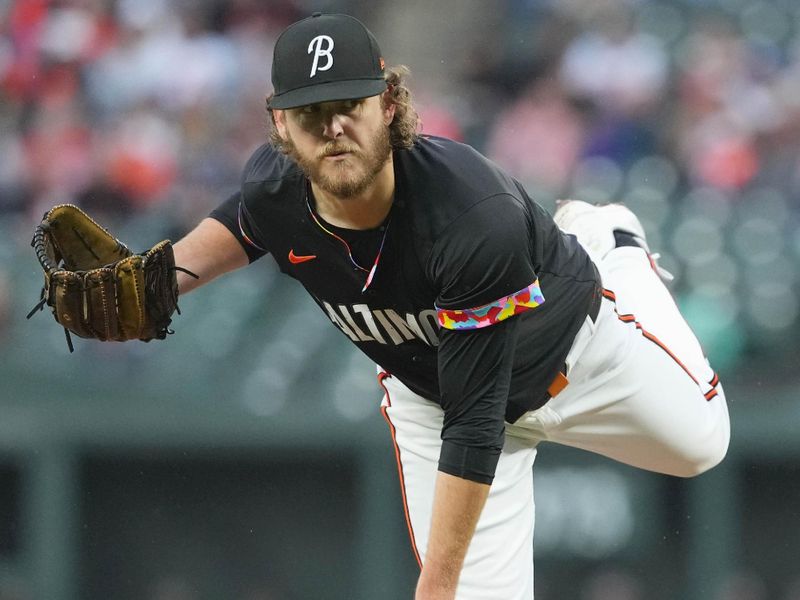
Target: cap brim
<point>329,92</point>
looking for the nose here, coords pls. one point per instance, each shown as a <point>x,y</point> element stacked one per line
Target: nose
<point>332,126</point>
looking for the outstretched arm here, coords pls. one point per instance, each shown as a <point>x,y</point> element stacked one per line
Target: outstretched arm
<point>485,274</point>
<point>208,251</point>
<point>457,505</point>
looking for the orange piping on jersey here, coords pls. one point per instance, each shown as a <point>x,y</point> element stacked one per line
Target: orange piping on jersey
<point>393,431</point>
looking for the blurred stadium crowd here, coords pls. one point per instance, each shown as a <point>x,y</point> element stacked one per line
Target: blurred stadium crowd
<point>689,110</point>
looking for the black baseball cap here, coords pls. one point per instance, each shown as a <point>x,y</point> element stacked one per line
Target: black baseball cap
<point>325,57</point>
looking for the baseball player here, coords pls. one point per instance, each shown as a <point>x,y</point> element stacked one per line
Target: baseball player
<point>493,326</point>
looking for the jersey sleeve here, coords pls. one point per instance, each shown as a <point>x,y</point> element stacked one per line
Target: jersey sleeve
<point>474,378</point>
<point>232,215</point>
<point>482,267</point>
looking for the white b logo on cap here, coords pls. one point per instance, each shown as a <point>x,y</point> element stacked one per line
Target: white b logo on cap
<point>316,46</point>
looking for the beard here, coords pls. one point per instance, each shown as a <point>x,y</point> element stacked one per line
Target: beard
<point>351,176</point>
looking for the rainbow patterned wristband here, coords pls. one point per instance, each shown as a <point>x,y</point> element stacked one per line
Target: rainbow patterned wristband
<point>494,312</point>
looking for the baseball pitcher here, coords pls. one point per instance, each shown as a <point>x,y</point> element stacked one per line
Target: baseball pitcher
<point>494,326</point>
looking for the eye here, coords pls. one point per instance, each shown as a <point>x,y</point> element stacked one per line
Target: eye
<point>349,106</point>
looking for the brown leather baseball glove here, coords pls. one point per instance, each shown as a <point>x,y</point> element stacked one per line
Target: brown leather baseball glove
<point>96,286</point>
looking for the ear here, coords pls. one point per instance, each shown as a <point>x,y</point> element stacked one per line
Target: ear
<point>388,107</point>
<point>279,118</point>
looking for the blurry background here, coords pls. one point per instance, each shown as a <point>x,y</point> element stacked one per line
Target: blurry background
<point>245,458</point>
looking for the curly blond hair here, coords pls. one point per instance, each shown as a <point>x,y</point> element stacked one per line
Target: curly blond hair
<point>404,128</point>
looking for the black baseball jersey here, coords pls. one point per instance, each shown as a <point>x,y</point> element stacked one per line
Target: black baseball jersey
<point>476,298</point>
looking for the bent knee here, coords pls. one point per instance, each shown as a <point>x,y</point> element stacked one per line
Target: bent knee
<point>702,459</point>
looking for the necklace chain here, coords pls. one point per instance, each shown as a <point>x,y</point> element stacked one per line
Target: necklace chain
<point>370,272</point>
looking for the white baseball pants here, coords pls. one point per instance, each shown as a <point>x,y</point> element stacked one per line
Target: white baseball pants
<point>640,391</point>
